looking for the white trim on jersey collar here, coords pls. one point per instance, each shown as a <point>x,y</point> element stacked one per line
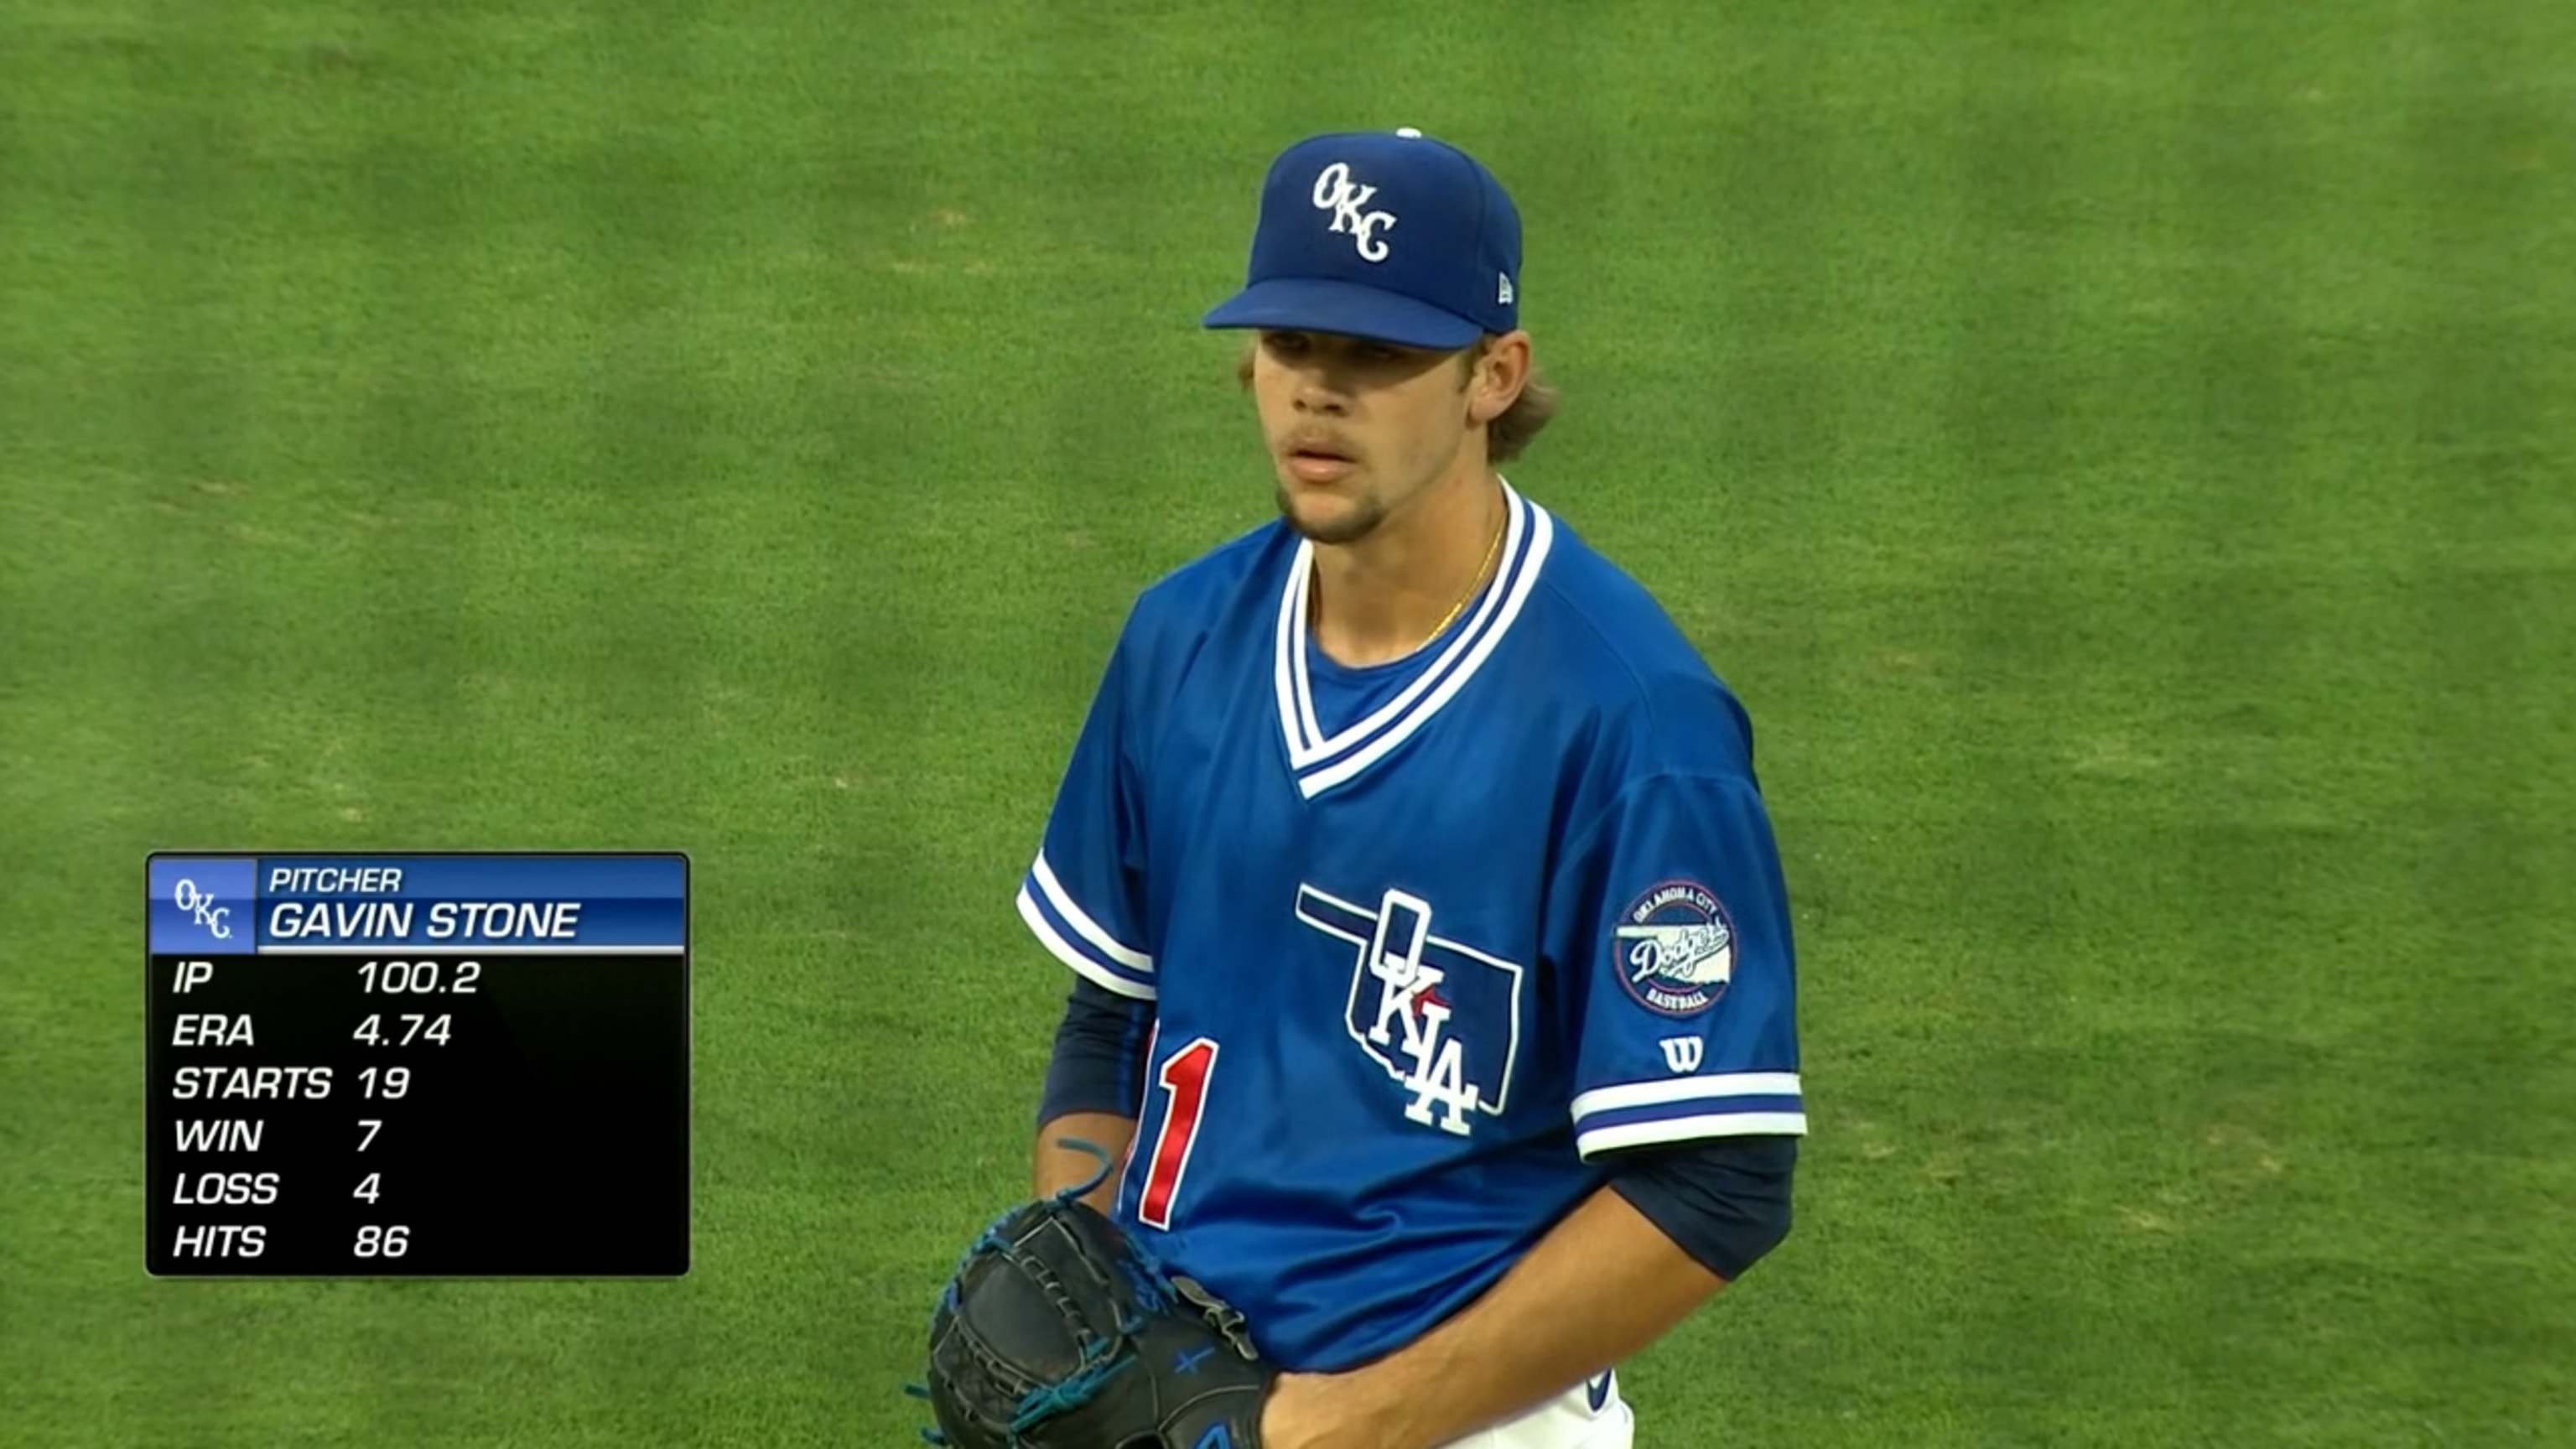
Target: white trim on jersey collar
<point>1321,763</point>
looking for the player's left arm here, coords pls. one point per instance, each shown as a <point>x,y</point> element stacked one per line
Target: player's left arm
<point>1603,1284</point>
<point>1671,916</point>
<point>1673,1226</point>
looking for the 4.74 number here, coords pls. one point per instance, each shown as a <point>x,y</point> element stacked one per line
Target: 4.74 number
<point>415,1026</point>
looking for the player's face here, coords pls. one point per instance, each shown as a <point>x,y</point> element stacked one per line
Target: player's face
<point>1357,429</point>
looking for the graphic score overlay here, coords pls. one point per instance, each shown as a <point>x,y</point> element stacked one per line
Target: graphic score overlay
<point>416,1066</point>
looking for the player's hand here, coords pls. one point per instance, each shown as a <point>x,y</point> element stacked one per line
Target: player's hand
<point>1297,1413</point>
<point>1322,1411</point>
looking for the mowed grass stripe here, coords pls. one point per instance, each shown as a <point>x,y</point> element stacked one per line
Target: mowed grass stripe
<point>2230,1153</point>
<point>2487,1122</point>
<point>2025,1094</point>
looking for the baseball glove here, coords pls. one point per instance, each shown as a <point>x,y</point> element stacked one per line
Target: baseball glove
<point>1060,1332</point>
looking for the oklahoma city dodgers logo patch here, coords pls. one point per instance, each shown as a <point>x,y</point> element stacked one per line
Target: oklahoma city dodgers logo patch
<point>1676,948</point>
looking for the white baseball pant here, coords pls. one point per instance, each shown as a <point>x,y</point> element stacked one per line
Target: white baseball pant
<point>1587,1416</point>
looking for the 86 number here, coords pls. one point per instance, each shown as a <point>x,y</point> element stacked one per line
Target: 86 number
<point>375,1242</point>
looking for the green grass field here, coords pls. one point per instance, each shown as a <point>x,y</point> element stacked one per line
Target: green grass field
<point>2123,454</point>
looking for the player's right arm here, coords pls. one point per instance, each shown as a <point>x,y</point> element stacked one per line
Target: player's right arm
<point>1060,1167</point>
<point>1083,900</point>
<point>1093,1081</point>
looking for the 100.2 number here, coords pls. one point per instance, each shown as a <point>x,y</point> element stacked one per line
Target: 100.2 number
<point>418,978</point>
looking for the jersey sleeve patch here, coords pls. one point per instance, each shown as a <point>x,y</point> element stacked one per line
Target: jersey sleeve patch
<point>1077,939</point>
<point>1674,948</point>
<point>1675,930</point>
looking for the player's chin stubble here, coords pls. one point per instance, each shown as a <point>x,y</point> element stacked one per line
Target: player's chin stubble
<point>1351,526</point>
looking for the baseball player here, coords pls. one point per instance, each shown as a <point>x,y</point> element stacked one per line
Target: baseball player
<point>1433,975</point>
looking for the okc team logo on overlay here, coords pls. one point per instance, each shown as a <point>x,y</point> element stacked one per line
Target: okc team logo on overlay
<point>1442,1018</point>
<point>1676,949</point>
<point>1335,193</point>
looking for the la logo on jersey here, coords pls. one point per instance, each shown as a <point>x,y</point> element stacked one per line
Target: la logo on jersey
<point>1441,1017</point>
<point>1676,949</point>
<point>1335,193</point>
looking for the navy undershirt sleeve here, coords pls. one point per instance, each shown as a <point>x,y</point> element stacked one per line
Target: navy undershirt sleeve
<point>1724,1200</point>
<point>1099,1060</point>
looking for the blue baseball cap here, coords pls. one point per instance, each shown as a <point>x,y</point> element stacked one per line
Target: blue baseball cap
<point>1390,236</point>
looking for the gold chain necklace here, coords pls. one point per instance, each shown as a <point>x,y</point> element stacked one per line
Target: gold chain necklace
<point>1472,584</point>
<point>1314,605</point>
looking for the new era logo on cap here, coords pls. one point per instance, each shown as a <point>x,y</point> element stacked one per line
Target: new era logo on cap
<point>1398,238</point>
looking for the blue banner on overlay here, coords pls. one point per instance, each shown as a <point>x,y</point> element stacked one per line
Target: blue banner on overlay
<point>238,904</point>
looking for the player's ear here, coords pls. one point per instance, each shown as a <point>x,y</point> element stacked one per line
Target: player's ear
<point>1495,377</point>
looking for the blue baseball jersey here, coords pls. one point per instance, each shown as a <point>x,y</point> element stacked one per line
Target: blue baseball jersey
<point>1423,940</point>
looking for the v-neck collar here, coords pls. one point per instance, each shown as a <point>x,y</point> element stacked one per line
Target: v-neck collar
<point>1322,762</point>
